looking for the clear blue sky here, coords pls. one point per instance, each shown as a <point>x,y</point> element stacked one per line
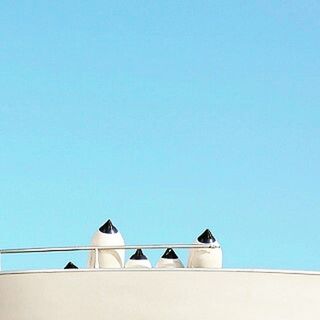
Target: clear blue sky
<point>167,117</point>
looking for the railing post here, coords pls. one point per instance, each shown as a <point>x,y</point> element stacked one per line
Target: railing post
<point>96,261</point>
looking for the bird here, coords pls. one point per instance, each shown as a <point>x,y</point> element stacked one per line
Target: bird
<point>107,235</point>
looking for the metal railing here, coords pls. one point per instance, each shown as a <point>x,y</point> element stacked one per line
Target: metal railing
<point>87,248</point>
<point>97,248</point>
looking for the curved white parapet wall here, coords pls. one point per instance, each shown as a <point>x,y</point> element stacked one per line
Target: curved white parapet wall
<point>157,294</point>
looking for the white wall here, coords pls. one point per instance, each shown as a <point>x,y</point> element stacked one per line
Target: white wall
<point>159,295</point>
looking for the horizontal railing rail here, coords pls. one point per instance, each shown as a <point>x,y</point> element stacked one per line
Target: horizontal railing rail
<point>125,247</point>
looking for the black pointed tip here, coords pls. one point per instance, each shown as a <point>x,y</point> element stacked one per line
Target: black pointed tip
<point>206,237</point>
<point>70,265</point>
<point>170,254</point>
<point>138,255</point>
<point>108,227</point>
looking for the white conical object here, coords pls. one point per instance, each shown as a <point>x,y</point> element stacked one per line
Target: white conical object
<point>138,260</point>
<point>205,257</point>
<point>107,235</point>
<point>169,260</point>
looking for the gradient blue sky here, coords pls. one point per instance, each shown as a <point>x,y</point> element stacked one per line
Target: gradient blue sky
<point>167,117</point>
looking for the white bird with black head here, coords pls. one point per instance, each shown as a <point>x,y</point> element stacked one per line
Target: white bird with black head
<point>107,235</point>
<point>169,260</point>
<point>138,260</point>
<point>70,265</point>
<point>206,257</point>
